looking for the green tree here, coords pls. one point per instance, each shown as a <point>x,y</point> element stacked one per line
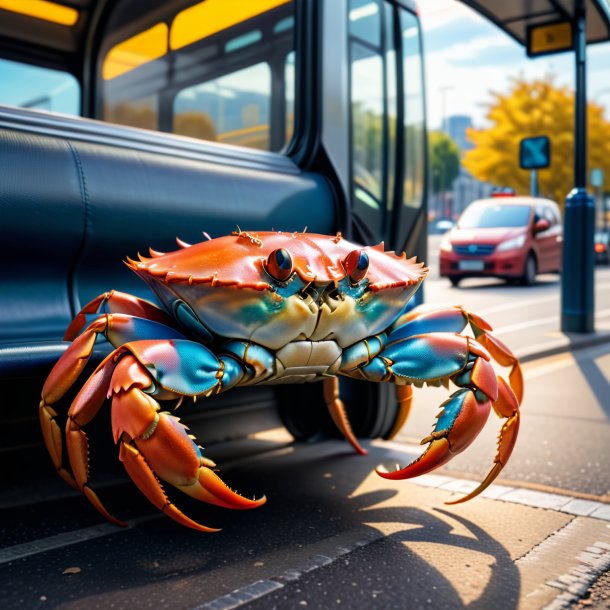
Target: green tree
<point>444,161</point>
<point>533,109</point>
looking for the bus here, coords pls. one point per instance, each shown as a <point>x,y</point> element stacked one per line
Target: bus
<point>126,123</point>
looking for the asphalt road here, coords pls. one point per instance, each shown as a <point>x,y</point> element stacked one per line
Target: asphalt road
<point>335,535</point>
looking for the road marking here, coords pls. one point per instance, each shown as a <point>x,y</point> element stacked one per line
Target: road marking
<point>514,304</point>
<point>58,541</point>
<point>511,328</point>
<point>604,313</point>
<point>260,588</point>
<point>256,590</point>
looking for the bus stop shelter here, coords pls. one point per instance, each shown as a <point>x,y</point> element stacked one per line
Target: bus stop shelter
<point>551,26</point>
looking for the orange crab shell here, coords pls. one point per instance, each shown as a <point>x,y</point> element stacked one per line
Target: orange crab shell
<point>238,260</point>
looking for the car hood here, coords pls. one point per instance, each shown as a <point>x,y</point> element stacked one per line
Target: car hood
<point>484,236</point>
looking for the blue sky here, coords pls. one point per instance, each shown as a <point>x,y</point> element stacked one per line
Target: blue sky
<point>25,84</point>
<point>467,57</point>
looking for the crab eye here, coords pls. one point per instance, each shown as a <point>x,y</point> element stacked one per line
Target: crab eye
<point>356,265</point>
<point>279,264</point>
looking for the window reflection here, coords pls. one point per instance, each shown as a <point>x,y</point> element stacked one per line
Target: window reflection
<point>367,112</point>
<point>414,131</point>
<point>233,109</point>
<point>201,71</point>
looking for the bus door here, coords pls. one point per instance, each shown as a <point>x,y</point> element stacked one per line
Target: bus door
<point>387,125</point>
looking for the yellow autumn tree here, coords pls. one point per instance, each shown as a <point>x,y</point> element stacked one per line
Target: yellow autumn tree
<point>534,109</point>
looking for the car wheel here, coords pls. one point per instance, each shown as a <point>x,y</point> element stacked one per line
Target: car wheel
<point>530,270</point>
<point>371,408</point>
<point>454,281</point>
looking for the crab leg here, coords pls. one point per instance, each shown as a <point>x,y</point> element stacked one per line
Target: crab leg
<point>505,406</point>
<point>117,328</point>
<point>154,443</point>
<point>435,358</point>
<point>117,302</point>
<point>425,319</point>
<point>404,396</point>
<point>337,411</point>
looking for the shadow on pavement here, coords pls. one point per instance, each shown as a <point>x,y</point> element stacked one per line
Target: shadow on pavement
<point>314,498</point>
<point>596,379</point>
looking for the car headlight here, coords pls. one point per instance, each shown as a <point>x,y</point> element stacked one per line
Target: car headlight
<point>512,244</point>
<point>446,245</point>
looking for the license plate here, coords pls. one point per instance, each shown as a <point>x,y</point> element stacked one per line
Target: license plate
<point>471,265</point>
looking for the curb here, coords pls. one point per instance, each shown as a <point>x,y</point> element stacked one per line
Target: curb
<point>570,342</point>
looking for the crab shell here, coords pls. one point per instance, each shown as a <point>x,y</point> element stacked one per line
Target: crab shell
<point>226,283</point>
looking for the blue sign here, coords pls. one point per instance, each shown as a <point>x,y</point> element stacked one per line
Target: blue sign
<point>535,153</point>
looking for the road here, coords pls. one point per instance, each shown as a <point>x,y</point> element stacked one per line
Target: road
<point>335,535</point>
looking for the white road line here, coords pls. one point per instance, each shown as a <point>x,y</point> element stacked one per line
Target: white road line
<point>515,304</point>
<point>511,328</point>
<point>50,543</point>
<point>260,588</point>
<point>256,590</point>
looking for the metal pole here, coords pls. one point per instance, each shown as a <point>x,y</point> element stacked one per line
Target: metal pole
<point>534,190</point>
<point>577,282</point>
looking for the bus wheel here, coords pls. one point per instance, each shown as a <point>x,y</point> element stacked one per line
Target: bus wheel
<point>371,409</point>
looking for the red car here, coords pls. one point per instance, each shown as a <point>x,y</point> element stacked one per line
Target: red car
<point>509,237</point>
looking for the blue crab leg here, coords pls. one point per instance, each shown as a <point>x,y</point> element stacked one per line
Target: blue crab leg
<point>152,442</point>
<point>118,329</point>
<point>423,358</point>
<point>461,419</point>
<point>121,303</point>
<point>426,319</point>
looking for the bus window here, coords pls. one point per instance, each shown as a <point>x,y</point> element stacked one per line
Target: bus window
<point>367,112</point>
<point>141,112</point>
<point>289,76</point>
<point>414,127</point>
<point>196,69</point>
<point>29,86</point>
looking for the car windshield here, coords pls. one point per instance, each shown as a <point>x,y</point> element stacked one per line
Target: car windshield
<point>486,216</point>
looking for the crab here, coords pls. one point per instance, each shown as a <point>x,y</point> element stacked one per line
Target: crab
<point>264,308</point>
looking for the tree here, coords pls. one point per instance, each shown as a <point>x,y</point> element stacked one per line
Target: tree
<point>533,109</point>
<point>444,161</point>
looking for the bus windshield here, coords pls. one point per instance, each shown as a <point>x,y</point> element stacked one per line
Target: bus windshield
<point>486,216</point>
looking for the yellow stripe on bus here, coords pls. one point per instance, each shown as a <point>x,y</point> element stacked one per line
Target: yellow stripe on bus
<point>212,16</point>
<point>136,51</point>
<point>42,9</point>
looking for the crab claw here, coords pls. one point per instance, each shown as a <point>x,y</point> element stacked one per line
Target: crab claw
<point>506,406</point>
<point>458,424</point>
<point>174,457</point>
<point>165,450</point>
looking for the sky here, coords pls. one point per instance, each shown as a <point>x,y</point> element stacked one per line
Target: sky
<point>467,56</point>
